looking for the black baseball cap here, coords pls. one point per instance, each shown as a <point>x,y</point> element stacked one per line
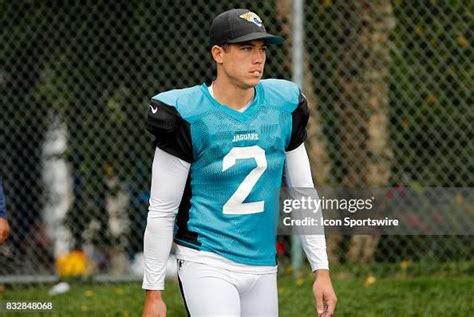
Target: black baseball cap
<point>239,25</point>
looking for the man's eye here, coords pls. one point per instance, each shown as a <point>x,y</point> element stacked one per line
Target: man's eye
<point>246,49</point>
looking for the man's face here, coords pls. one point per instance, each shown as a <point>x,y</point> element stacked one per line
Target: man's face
<point>243,63</point>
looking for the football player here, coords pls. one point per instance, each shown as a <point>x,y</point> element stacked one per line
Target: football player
<point>221,151</point>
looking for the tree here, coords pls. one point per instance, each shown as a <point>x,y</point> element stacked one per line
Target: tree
<point>363,107</point>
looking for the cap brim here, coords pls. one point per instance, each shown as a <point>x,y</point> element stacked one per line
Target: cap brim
<point>269,39</point>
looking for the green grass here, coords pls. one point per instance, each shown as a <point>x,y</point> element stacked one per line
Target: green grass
<point>396,296</point>
<point>390,297</point>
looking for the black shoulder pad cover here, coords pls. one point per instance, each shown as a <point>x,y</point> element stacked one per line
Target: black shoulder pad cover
<point>172,133</point>
<point>300,117</point>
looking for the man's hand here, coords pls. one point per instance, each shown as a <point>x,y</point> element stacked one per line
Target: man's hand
<point>154,305</point>
<point>324,294</point>
<point>4,230</point>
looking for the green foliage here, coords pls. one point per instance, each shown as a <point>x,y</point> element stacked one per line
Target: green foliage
<point>431,92</point>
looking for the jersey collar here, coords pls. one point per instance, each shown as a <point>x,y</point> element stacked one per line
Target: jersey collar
<point>248,114</point>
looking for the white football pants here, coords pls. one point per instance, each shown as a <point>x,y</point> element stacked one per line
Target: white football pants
<point>213,291</point>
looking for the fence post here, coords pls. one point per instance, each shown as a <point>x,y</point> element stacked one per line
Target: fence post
<point>297,70</point>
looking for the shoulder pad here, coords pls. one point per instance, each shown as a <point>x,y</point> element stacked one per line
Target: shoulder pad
<point>281,92</point>
<point>171,131</point>
<point>186,101</point>
<point>299,118</point>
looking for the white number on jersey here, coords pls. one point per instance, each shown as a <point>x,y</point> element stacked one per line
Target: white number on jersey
<point>235,205</point>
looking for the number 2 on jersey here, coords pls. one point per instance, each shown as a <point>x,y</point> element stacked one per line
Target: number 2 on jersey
<point>235,205</point>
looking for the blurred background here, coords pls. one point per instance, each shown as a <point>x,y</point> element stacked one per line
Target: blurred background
<point>389,84</point>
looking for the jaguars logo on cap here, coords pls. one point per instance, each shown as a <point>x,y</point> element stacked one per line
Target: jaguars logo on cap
<point>252,17</point>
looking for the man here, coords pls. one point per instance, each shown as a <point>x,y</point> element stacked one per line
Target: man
<point>219,160</point>
<point>4,227</point>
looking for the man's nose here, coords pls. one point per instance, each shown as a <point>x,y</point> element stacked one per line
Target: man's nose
<point>258,57</point>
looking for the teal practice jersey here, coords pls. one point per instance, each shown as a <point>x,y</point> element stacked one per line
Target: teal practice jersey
<point>231,201</point>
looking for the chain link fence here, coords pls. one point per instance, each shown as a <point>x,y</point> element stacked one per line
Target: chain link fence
<point>389,83</point>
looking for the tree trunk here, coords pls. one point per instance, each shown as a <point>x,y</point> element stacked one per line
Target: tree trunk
<point>363,107</point>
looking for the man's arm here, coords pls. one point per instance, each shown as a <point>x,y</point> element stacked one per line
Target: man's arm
<point>298,175</point>
<point>4,230</point>
<point>4,226</point>
<point>167,186</point>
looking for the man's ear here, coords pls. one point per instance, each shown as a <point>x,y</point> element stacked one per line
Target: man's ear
<point>217,52</point>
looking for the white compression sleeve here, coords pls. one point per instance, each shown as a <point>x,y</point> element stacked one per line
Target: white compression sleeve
<point>169,176</point>
<point>298,174</point>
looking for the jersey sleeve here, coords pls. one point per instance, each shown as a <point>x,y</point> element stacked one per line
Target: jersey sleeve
<point>298,176</point>
<point>168,181</point>
<point>299,120</point>
<point>172,133</point>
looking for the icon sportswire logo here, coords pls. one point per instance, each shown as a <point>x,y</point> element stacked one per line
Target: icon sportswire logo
<point>153,109</point>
